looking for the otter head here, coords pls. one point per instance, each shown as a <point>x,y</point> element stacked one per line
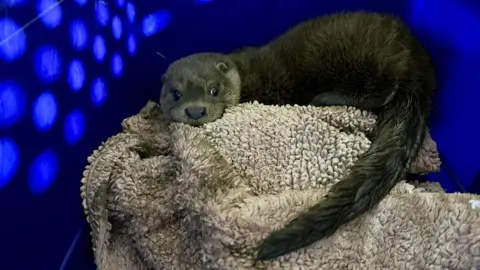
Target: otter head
<point>197,89</point>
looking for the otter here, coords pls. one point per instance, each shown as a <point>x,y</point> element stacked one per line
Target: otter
<point>367,60</point>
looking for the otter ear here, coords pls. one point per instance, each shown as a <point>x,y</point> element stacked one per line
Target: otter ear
<point>223,67</point>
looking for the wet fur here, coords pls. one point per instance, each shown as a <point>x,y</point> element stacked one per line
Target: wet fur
<point>366,60</point>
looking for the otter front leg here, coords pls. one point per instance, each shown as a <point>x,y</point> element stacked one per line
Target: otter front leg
<point>338,98</point>
<point>333,98</point>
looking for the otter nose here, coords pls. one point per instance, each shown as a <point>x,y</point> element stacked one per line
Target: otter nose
<point>195,112</point>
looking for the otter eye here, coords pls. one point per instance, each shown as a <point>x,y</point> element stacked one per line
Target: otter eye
<point>176,94</point>
<point>214,92</point>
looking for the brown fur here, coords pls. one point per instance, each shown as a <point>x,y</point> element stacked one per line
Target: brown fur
<point>195,79</point>
<point>366,60</point>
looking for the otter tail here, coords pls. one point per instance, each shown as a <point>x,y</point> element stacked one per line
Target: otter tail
<point>397,138</point>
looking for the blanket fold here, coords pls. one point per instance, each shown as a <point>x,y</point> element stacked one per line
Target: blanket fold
<point>161,196</point>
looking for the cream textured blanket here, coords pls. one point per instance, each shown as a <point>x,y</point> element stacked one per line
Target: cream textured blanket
<point>179,197</point>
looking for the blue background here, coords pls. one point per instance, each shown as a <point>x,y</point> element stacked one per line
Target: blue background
<point>71,70</point>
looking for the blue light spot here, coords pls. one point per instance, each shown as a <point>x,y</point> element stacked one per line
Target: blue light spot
<point>78,35</point>
<point>120,3</point>
<point>48,65</point>
<point>117,27</point>
<point>74,127</point>
<point>99,48</point>
<point>9,161</point>
<point>156,22</point>
<point>12,103</point>
<point>13,3</point>
<point>117,65</point>
<point>130,12</point>
<point>102,12</point>
<point>76,75</point>
<point>50,13</point>
<point>201,2</point>
<point>44,111</point>
<point>12,40</point>
<point>43,172</point>
<point>98,92</point>
<point>132,45</point>
<point>81,2</point>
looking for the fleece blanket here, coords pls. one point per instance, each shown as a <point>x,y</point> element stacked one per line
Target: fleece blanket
<point>161,196</point>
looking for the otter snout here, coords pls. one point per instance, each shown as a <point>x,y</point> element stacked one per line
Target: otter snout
<point>195,112</point>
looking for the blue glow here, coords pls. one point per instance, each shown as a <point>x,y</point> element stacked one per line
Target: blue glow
<point>81,2</point>
<point>12,103</point>
<point>9,161</point>
<point>117,65</point>
<point>131,44</point>
<point>99,48</point>
<point>74,127</point>
<point>43,172</point>
<point>156,22</point>
<point>12,43</point>
<point>98,92</point>
<point>460,31</point>
<point>44,111</point>
<point>120,3</point>
<point>200,2</point>
<point>50,13</point>
<point>117,27</point>
<point>78,35</point>
<point>102,12</point>
<point>76,75</point>
<point>130,12</point>
<point>48,65</point>
<point>13,3</point>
